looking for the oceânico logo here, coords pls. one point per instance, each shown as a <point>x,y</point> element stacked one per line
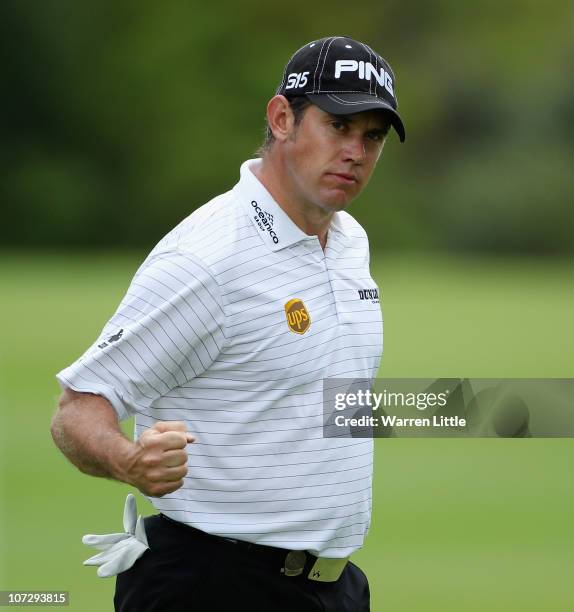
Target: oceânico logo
<point>263,222</point>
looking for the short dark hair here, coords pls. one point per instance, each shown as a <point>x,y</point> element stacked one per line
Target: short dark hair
<point>298,106</point>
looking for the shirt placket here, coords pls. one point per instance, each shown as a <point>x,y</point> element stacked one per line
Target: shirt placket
<point>327,260</point>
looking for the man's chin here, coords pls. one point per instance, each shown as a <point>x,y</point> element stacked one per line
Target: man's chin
<point>337,199</point>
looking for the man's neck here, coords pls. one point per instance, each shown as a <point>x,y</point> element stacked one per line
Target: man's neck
<point>311,219</point>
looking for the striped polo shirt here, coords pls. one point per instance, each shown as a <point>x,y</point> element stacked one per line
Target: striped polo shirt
<point>230,325</point>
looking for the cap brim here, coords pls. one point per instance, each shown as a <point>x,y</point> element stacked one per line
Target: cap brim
<point>349,103</point>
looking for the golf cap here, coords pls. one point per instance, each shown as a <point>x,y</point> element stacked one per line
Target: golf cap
<point>342,76</point>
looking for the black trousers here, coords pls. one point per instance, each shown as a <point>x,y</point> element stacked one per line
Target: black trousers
<point>188,570</point>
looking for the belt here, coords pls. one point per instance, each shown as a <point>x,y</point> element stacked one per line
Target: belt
<point>291,563</point>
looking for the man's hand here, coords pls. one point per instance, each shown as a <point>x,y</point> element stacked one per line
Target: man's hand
<point>157,461</point>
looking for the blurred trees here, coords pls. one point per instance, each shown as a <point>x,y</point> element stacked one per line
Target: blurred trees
<point>120,118</point>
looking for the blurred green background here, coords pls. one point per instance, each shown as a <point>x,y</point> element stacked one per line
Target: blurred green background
<point>119,118</point>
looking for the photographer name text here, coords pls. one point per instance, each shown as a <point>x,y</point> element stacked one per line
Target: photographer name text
<point>395,421</point>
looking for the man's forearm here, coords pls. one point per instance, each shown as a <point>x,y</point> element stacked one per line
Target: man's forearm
<point>86,430</point>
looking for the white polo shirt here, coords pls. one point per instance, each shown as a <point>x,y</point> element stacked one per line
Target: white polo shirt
<point>230,325</point>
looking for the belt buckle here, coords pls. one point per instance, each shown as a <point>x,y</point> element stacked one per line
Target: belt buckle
<point>294,563</point>
<point>323,570</point>
<point>327,570</point>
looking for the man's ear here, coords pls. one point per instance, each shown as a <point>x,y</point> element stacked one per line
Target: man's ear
<point>280,118</point>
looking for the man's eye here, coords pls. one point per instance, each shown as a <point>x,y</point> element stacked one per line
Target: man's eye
<point>375,136</point>
<point>338,125</point>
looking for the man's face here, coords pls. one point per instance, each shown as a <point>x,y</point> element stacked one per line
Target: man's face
<point>330,158</point>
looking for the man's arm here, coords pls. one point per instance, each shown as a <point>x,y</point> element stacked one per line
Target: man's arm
<point>86,429</point>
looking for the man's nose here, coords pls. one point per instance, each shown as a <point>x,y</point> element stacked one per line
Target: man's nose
<point>355,150</point>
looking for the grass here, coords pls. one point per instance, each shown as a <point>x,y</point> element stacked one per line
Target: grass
<point>457,524</point>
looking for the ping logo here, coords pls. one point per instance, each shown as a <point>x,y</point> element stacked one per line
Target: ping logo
<point>297,315</point>
<point>296,79</point>
<point>366,70</point>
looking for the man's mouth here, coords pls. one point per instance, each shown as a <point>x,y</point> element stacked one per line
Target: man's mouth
<point>344,177</point>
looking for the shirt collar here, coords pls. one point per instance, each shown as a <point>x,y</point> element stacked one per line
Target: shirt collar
<point>272,223</point>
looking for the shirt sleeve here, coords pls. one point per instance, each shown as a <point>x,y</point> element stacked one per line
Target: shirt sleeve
<point>168,329</point>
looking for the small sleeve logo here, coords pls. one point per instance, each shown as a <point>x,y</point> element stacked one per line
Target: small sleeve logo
<point>297,316</point>
<point>111,339</point>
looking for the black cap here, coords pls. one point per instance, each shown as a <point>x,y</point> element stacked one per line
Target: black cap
<point>342,76</point>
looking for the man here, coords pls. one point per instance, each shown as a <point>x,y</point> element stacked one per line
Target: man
<point>220,348</point>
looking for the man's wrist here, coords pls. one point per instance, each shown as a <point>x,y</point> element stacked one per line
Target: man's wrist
<point>121,458</point>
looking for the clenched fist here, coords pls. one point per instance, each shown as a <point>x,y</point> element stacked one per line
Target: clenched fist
<point>157,463</point>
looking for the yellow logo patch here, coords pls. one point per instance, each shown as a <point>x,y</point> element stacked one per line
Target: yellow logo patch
<point>297,315</point>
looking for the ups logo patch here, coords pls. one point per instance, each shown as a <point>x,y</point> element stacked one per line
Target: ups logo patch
<point>297,315</point>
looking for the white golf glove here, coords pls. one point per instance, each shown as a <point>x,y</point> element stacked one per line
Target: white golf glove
<point>121,550</point>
